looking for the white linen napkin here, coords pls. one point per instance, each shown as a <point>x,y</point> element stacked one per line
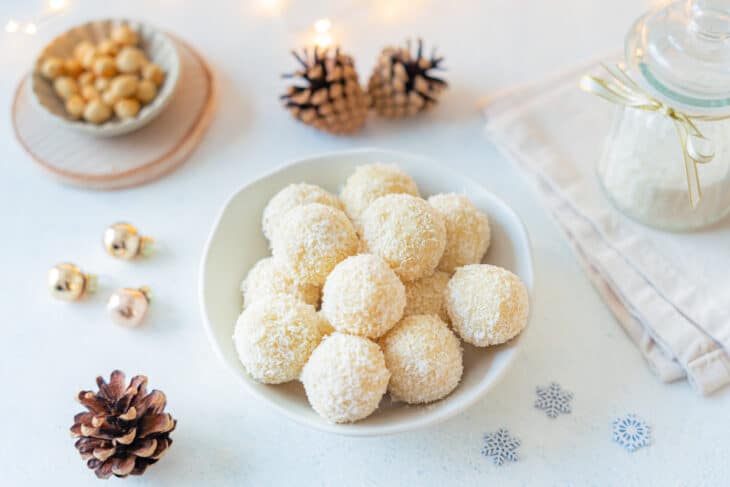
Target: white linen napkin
<point>669,291</point>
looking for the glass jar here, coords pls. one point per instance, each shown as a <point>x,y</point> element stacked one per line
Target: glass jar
<point>679,54</point>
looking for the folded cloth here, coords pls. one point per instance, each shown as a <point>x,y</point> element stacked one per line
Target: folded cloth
<point>669,291</point>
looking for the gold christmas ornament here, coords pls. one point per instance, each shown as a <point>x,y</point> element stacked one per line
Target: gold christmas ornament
<point>402,85</point>
<point>128,307</point>
<point>66,282</point>
<point>328,95</point>
<point>122,241</point>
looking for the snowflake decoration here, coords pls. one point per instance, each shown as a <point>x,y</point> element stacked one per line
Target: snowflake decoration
<point>631,432</point>
<point>553,400</point>
<point>501,446</point>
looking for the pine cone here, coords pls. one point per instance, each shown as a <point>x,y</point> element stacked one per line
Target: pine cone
<point>125,429</point>
<point>402,85</point>
<point>329,96</point>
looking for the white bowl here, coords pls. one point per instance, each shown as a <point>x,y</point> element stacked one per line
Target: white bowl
<point>236,243</point>
<point>159,48</point>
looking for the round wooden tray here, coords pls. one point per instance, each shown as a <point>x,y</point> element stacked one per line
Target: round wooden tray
<point>128,160</point>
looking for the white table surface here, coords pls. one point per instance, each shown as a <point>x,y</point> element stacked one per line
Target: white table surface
<point>49,350</point>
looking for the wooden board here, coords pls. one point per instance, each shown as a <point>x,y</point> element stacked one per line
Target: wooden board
<point>128,160</point>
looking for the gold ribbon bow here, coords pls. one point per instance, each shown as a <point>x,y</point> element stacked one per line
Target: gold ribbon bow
<point>622,90</point>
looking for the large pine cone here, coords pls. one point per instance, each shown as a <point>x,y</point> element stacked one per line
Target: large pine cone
<point>125,429</point>
<point>329,95</point>
<point>402,85</point>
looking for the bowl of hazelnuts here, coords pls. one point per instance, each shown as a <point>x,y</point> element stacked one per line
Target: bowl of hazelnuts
<point>107,77</point>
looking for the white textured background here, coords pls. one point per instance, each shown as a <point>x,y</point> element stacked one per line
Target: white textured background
<point>49,350</point>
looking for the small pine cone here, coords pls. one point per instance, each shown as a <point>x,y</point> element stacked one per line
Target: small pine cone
<point>125,429</point>
<point>329,96</point>
<point>402,85</point>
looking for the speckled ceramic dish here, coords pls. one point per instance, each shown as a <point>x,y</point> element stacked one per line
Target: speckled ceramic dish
<point>237,242</point>
<point>158,47</point>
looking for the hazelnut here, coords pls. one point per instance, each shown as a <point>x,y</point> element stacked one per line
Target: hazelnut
<point>88,58</point>
<point>88,92</point>
<point>126,108</point>
<point>75,106</point>
<point>125,85</point>
<point>130,60</point>
<point>102,84</point>
<point>52,68</point>
<point>73,67</point>
<point>104,66</point>
<point>146,91</point>
<point>97,111</point>
<point>154,73</point>
<point>109,97</point>
<point>65,87</point>
<point>108,47</point>
<point>86,78</point>
<point>124,35</point>
<point>82,48</point>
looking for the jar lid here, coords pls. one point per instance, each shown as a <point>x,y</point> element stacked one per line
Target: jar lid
<point>680,52</point>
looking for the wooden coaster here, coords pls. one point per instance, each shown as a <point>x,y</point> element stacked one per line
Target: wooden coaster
<point>127,160</point>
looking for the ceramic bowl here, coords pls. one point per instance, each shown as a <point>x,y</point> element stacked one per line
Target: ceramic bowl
<point>159,48</point>
<point>236,243</point>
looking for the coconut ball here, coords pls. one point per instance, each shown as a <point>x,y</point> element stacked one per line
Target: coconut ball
<point>408,233</point>
<point>292,196</point>
<point>370,182</point>
<point>363,296</point>
<point>487,305</point>
<point>467,231</point>
<point>345,378</point>
<point>425,296</point>
<point>424,358</point>
<point>269,277</point>
<point>312,239</point>
<point>274,338</point>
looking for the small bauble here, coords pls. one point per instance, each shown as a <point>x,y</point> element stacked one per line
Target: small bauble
<point>128,307</point>
<point>328,94</point>
<point>67,283</point>
<point>122,240</point>
<point>403,84</point>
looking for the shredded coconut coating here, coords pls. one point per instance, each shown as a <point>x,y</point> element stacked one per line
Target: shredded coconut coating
<point>425,296</point>
<point>487,305</point>
<point>408,233</point>
<point>345,378</point>
<point>312,239</point>
<point>467,231</point>
<point>275,337</point>
<point>363,296</point>
<point>270,278</point>
<point>424,358</point>
<point>290,197</point>
<point>371,181</point>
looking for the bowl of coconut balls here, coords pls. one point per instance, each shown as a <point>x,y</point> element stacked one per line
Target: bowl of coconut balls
<point>366,292</point>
